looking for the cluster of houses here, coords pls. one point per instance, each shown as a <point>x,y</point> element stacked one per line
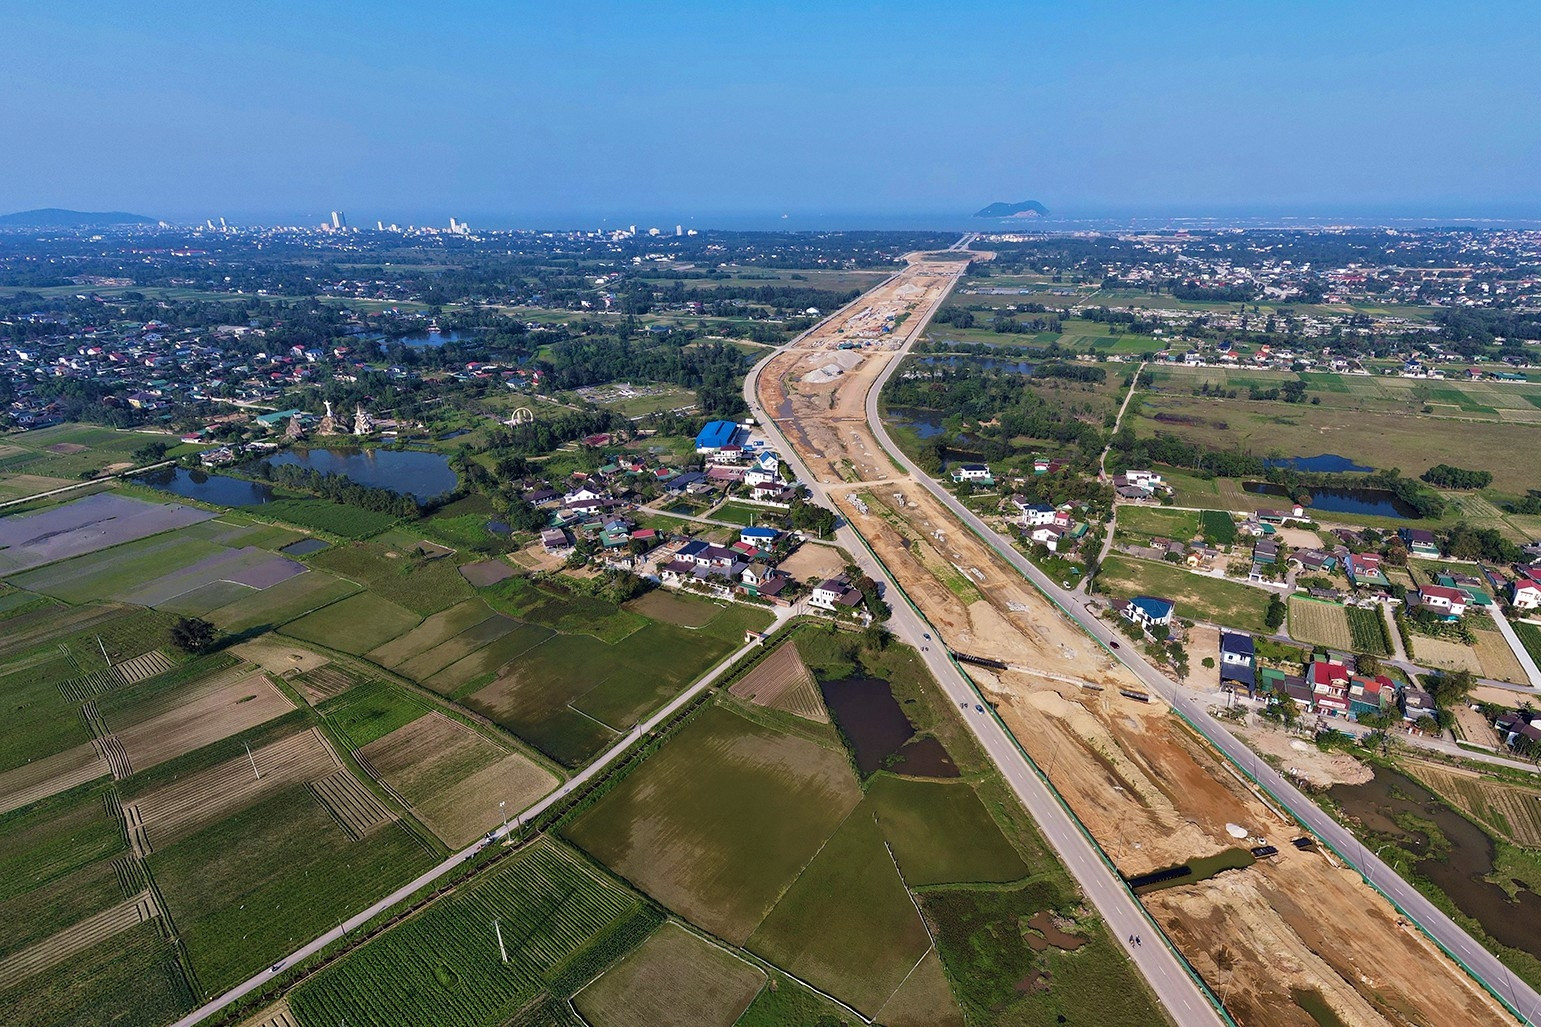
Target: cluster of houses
<point>1136,485</point>
<point>1053,527</point>
<point>1331,684</point>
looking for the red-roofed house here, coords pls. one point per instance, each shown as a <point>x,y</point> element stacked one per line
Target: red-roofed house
<point>1449,603</point>
<point>1525,594</point>
<point>1329,685</point>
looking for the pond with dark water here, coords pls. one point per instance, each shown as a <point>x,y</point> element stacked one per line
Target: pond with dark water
<point>1378,502</point>
<point>881,737</point>
<point>305,546</point>
<point>421,340</point>
<point>1330,463</point>
<point>407,472</point>
<point>219,489</point>
<point>1459,865</point>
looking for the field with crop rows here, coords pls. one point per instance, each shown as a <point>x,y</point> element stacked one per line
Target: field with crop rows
<point>1513,812</point>
<point>675,977</point>
<point>1319,623</point>
<point>443,966</point>
<point>1217,526</point>
<point>1367,629</point>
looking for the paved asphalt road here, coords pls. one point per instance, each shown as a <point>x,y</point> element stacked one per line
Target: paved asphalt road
<point>457,860</point>
<point>1481,963</point>
<point>1163,969</point>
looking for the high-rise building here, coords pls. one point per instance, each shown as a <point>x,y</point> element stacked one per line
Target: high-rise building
<point>379,226</point>
<point>679,230</point>
<point>339,220</point>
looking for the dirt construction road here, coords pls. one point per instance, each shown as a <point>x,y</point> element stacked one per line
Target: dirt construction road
<point>1150,790</point>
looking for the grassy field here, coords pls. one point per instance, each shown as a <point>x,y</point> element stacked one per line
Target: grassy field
<point>373,710</point>
<point>333,518</point>
<point>1374,421</point>
<point>1147,522</point>
<point>111,573</point>
<point>675,977</point>
<point>847,925</point>
<point>282,603</point>
<point>443,966</point>
<point>389,569</point>
<point>255,886</point>
<point>355,625</point>
<point>1198,597</point>
<point>722,820</point>
<point>941,832</point>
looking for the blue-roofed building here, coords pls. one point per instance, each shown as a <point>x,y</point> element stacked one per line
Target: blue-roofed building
<point>758,537</point>
<point>1147,611</point>
<point>1238,661</point>
<point>716,435</point>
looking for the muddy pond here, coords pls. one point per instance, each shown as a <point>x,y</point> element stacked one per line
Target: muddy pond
<point>881,737</point>
<point>1391,806</point>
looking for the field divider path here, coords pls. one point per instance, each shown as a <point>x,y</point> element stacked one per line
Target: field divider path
<point>457,860</point>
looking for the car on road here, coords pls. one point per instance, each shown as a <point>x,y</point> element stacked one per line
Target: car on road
<point>276,967</point>
<point>926,637</point>
<point>1113,643</point>
<point>978,708</point>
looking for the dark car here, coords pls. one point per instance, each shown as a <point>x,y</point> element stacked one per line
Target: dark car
<point>1113,644</point>
<point>978,708</point>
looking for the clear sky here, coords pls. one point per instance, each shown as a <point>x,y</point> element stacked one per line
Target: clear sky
<point>573,111</point>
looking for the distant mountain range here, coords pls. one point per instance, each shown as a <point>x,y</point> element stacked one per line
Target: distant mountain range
<point>1025,209</point>
<point>56,217</point>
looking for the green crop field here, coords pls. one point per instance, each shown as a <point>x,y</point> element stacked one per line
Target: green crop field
<point>282,603</point>
<point>1218,527</point>
<point>1319,623</point>
<point>334,518</point>
<point>1368,631</point>
<point>675,977</point>
<point>570,694</point>
<point>373,710</point>
<point>394,572</point>
<point>132,979</point>
<point>355,625</point>
<point>1530,637</point>
<point>54,839</point>
<point>847,925</point>
<point>257,885</point>
<point>111,573</point>
<point>941,832</point>
<point>721,820</point>
<point>443,966</point>
<point>1197,596</point>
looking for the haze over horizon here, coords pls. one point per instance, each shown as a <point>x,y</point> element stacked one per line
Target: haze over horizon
<point>523,116</point>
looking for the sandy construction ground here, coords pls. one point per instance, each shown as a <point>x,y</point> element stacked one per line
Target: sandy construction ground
<point>1149,790</point>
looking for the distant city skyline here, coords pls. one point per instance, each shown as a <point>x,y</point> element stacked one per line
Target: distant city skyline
<point>506,115</point>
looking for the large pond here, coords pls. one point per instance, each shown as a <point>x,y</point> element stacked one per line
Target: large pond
<point>419,475</point>
<point>420,340</point>
<point>1390,806</point>
<point>219,489</point>
<point>1378,502</point>
<point>1330,463</point>
<point>880,735</point>
<point>926,424</point>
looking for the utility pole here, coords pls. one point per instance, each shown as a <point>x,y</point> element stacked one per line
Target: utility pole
<point>503,809</point>
<point>105,657</point>
<point>499,932</point>
<point>249,756</point>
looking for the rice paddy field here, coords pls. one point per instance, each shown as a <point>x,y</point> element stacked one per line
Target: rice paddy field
<point>766,840</point>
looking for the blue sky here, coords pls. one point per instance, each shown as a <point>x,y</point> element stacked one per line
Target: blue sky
<point>413,111</point>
